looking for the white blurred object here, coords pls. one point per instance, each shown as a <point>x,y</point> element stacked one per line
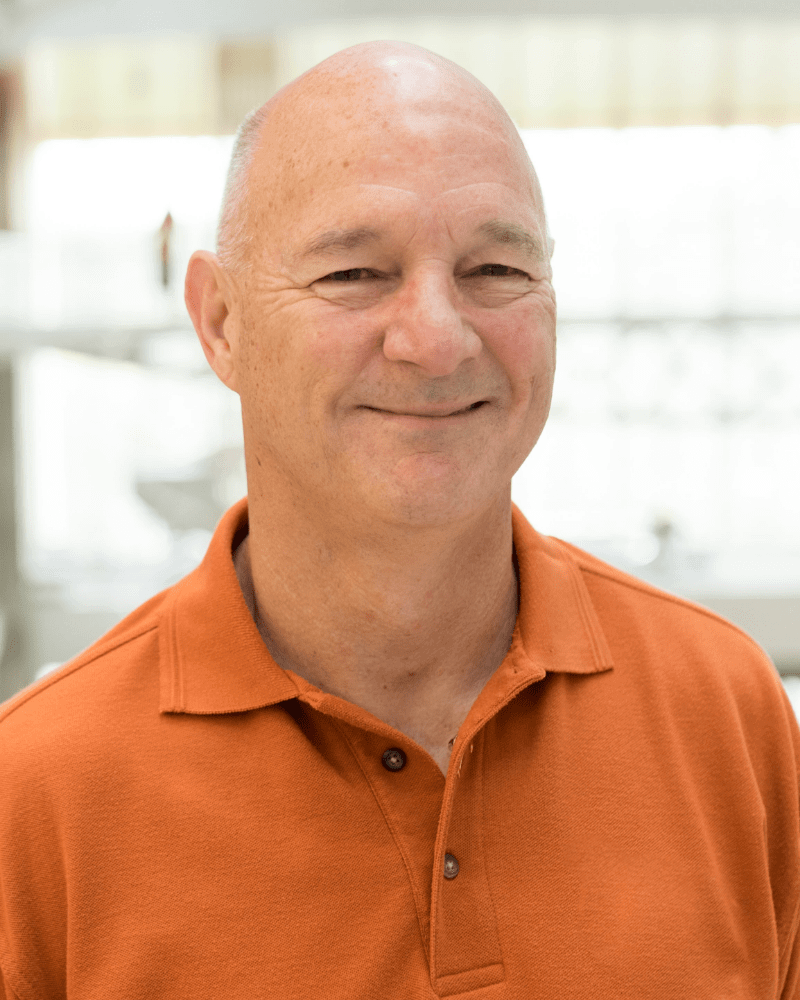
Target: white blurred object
<point>125,185</point>
<point>46,669</point>
<point>792,687</point>
<point>692,222</point>
<point>678,379</point>
<point>666,222</point>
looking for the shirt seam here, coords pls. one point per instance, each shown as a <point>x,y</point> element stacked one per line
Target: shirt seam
<point>481,831</point>
<point>584,604</point>
<point>789,942</point>
<point>80,661</point>
<point>478,968</point>
<point>177,691</point>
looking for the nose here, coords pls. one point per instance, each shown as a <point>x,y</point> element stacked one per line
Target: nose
<point>427,328</point>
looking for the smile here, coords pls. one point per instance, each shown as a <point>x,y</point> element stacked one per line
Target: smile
<point>431,415</point>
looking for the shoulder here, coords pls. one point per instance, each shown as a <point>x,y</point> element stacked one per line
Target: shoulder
<point>628,604</point>
<point>696,677</point>
<point>85,698</point>
<point>646,625</point>
<point>713,704</point>
<point>68,744</point>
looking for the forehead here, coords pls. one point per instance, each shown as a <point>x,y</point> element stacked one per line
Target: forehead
<point>419,162</point>
<point>332,243</point>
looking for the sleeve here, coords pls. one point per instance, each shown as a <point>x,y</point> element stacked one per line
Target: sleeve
<point>5,990</point>
<point>786,871</point>
<point>32,892</point>
<point>790,965</point>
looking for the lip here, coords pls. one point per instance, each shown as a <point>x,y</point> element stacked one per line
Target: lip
<point>434,414</point>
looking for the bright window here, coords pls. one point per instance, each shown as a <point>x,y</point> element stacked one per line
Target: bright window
<point>678,387</point>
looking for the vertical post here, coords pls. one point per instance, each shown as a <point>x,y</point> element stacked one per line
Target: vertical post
<point>15,670</point>
<point>9,126</point>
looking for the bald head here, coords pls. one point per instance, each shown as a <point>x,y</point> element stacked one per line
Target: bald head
<point>362,95</point>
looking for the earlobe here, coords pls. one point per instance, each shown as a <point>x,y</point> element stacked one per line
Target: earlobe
<point>208,297</point>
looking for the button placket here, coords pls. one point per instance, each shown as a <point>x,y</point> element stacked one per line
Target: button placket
<point>465,944</point>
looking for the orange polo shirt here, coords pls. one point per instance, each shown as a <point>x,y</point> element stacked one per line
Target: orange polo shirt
<point>181,818</point>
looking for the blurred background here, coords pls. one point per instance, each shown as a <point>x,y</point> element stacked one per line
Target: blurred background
<point>667,139</point>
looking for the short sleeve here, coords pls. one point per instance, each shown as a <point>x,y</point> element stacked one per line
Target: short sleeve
<point>6,993</point>
<point>789,971</point>
<point>790,964</point>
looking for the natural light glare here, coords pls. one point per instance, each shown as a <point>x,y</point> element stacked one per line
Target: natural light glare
<point>93,427</point>
<point>647,221</point>
<point>677,392</point>
<point>125,185</point>
<point>672,221</point>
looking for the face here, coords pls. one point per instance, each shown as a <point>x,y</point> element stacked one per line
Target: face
<point>394,344</point>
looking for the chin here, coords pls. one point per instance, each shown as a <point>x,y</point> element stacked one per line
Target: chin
<point>432,501</point>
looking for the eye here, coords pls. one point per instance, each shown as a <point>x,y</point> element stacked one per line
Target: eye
<point>499,271</point>
<point>351,274</point>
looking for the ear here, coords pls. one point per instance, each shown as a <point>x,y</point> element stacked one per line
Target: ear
<point>209,295</point>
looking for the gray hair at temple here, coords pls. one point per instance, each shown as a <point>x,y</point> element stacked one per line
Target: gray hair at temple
<point>234,236</point>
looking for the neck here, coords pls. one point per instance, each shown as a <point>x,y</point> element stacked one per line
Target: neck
<point>407,622</point>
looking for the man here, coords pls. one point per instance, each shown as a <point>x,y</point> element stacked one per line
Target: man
<point>387,741</point>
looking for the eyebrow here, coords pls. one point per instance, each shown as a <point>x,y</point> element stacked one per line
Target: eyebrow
<point>335,240</point>
<point>510,234</point>
<point>497,230</point>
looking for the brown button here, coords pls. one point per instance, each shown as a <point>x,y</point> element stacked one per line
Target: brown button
<point>450,866</point>
<point>394,759</point>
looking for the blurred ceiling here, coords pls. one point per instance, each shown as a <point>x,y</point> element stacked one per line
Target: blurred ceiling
<point>24,20</point>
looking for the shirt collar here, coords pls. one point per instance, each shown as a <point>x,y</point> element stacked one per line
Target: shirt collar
<point>213,659</point>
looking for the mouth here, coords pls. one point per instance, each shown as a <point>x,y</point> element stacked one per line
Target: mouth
<point>431,414</point>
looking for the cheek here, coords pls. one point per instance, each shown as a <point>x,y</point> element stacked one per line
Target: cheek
<point>344,344</point>
<point>527,353</point>
<point>339,349</point>
<point>260,354</point>
<point>270,374</point>
<point>531,360</point>
<point>296,364</point>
